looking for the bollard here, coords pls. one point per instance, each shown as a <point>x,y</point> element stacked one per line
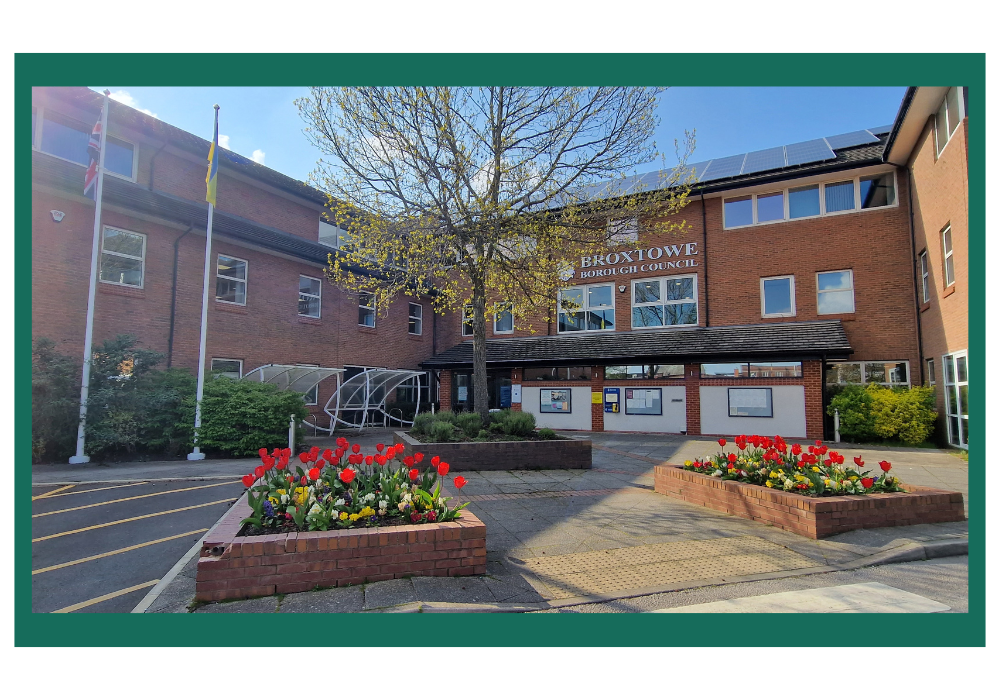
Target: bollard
<point>291,433</point>
<point>836,425</point>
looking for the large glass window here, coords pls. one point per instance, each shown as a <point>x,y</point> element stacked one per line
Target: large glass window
<point>739,211</point>
<point>644,372</point>
<point>416,325</point>
<point>891,374</point>
<point>925,280</point>
<point>835,292</point>
<point>227,368</point>
<point>467,320</point>
<point>956,387</point>
<point>66,138</point>
<point>503,320</point>
<point>555,374</point>
<point>949,260</point>
<point>332,236</point>
<point>803,201</point>
<point>949,116</point>
<point>668,301</point>
<point>878,191</point>
<point>310,296</point>
<point>366,309</point>
<point>839,196</point>
<point>123,255</point>
<point>770,207</point>
<point>589,308</point>
<point>231,280</point>
<point>751,370</point>
<point>777,296</point>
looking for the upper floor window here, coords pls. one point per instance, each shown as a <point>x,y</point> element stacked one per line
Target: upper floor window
<point>467,319</point>
<point>67,138</point>
<point>503,320</point>
<point>310,296</point>
<point>886,373</point>
<point>623,230</point>
<point>416,325</point>
<point>925,280</point>
<point>231,280</point>
<point>227,368</point>
<point>587,308</point>
<point>949,259</point>
<point>948,117</point>
<point>332,235</point>
<point>777,296</point>
<point>668,301</point>
<point>366,309</point>
<point>123,257</point>
<point>835,292</point>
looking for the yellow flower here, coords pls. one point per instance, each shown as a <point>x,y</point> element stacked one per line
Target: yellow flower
<point>816,469</point>
<point>773,475</point>
<point>688,462</point>
<point>767,484</point>
<point>343,516</point>
<point>826,482</point>
<point>366,512</point>
<point>854,478</point>
<point>354,517</point>
<point>282,492</point>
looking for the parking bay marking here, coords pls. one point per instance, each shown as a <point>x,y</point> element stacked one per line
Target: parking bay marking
<point>53,494</point>
<point>128,520</point>
<point>107,596</point>
<point>131,498</point>
<point>117,551</point>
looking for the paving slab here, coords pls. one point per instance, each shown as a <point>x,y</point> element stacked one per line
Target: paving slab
<point>384,594</point>
<point>333,600</point>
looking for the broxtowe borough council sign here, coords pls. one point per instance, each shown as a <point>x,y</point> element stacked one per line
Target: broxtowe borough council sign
<point>628,262</point>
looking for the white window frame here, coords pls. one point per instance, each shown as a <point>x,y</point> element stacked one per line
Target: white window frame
<point>500,310</point>
<point>37,144</point>
<point>925,277</point>
<point>791,290</point>
<point>366,306</point>
<point>824,291</point>
<point>586,307</point>
<point>948,255</point>
<point>467,320</point>
<point>340,234</point>
<point>963,411</point>
<point>225,359</point>
<point>245,280</point>
<point>665,302</point>
<point>931,375</point>
<point>317,297</point>
<point>949,132</point>
<point>821,186</point>
<point>419,318</point>
<point>142,260</point>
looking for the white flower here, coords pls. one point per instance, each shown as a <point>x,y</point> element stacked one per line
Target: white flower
<point>284,498</point>
<point>334,514</point>
<point>382,511</point>
<point>717,472</point>
<point>315,509</point>
<point>339,502</point>
<point>383,504</point>
<point>789,483</point>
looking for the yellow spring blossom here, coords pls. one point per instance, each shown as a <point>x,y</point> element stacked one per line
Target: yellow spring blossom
<point>816,469</point>
<point>767,483</point>
<point>343,516</point>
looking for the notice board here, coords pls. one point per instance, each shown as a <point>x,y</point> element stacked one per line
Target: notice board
<point>751,402</point>
<point>647,402</point>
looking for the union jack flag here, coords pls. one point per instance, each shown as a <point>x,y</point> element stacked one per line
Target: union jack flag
<point>94,149</point>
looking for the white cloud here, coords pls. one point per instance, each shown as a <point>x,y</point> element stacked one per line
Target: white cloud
<point>258,156</point>
<point>126,98</point>
<point>224,141</point>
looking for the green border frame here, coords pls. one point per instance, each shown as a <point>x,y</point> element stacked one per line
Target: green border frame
<point>34,629</point>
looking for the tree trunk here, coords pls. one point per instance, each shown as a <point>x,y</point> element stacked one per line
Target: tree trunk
<point>480,395</point>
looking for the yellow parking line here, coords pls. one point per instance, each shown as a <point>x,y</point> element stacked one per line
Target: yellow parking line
<point>50,493</point>
<point>131,498</point>
<point>103,488</point>
<point>128,520</point>
<point>117,551</point>
<point>109,596</point>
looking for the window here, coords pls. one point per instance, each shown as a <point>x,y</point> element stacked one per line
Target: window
<point>503,320</point>
<point>67,139</point>
<point>644,372</point>
<point>949,260</point>
<point>891,374</point>
<point>227,368</point>
<point>590,308</point>
<point>751,370</point>
<point>310,296</point>
<point>366,309</point>
<point>669,301</point>
<point>777,296</point>
<point>123,255</point>
<point>770,207</point>
<point>332,236</point>
<point>416,326</point>
<point>803,201</point>
<point>556,374</point>
<point>925,280</point>
<point>623,230</point>
<point>738,211</point>
<point>835,292</point>
<point>931,381</point>
<point>878,191</point>
<point>467,320</point>
<point>231,280</point>
<point>839,196</point>
<point>956,388</point>
<point>949,116</point>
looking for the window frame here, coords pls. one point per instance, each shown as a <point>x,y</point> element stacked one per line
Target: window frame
<point>949,255</point>
<point>503,309</point>
<point>864,373</point>
<point>224,359</point>
<point>960,101</point>
<point>763,302</point>
<point>925,277</point>
<point>931,376</point>
<point>854,306</point>
<point>341,233</point>
<point>36,144</point>
<point>419,318</point>
<point>317,297</point>
<point>142,260</point>
<point>245,280</point>
<point>585,307</point>
<point>467,320</point>
<point>665,302</point>
<point>951,359</point>
<point>366,306</point>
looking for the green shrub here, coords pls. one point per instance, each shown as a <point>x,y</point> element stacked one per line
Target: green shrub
<point>469,423</point>
<point>441,431</point>
<point>547,434</point>
<point>55,402</point>
<point>483,436</point>
<point>514,423</point>
<point>855,406</point>
<point>239,417</point>
<point>422,423</point>
<point>875,412</point>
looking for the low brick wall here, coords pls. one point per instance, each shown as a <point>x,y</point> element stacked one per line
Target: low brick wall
<point>573,453</point>
<point>243,567</point>
<point>805,515</point>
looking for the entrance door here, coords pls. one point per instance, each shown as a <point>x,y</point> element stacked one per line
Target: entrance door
<point>462,392</point>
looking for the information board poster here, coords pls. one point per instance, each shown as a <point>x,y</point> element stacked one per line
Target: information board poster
<point>755,402</point>
<point>648,402</point>
<point>555,401</point>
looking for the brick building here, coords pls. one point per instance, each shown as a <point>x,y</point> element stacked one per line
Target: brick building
<point>796,274</point>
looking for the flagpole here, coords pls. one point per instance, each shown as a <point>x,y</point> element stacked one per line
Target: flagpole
<point>88,338</point>
<point>196,453</point>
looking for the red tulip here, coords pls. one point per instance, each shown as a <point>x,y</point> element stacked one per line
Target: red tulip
<point>303,481</point>
<point>460,481</point>
<point>328,454</point>
<point>320,464</point>
<point>722,442</point>
<point>369,459</point>
<point>304,457</point>
<point>277,453</point>
<point>796,449</point>
<point>443,468</point>
<point>379,447</point>
<point>390,453</point>
<point>435,460</point>
<point>828,462</point>
<point>258,471</point>
<point>282,463</point>
<point>408,461</point>
<point>339,453</point>
<point>414,473</point>
<point>867,482</point>
<point>314,452</point>
<point>248,480</point>
<point>732,458</point>
<point>355,448</point>
<point>398,447</point>
<point>418,457</point>
<point>262,452</point>
<point>886,466</point>
<point>347,476</point>
<point>860,462</point>
<point>342,442</point>
<point>291,479</point>
<point>286,453</point>
<point>381,459</point>
<point>314,474</point>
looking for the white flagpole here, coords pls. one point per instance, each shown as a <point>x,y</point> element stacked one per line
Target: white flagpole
<point>196,453</point>
<point>88,339</point>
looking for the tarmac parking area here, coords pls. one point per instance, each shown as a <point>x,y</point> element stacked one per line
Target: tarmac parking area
<point>100,547</point>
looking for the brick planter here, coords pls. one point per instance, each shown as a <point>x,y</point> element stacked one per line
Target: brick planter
<point>805,515</point>
<point>573,453</point>
<point>243,567</point>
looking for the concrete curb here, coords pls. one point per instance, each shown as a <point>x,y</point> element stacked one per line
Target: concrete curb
<point>144,481</point>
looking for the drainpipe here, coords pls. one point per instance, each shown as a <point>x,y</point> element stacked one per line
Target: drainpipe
<point>822,393</point>
<point>916,276</point>
<point>152,164</point>
<point>173,290</point>
<point>704,253</point>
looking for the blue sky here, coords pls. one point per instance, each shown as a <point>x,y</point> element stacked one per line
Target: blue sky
<point>263,124</point>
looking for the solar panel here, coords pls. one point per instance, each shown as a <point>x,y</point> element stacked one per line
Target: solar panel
<point>808,152</point>
<point>724,167</point>
<point>853,138</point>
<point>881,130</point>
<point>768,159</point>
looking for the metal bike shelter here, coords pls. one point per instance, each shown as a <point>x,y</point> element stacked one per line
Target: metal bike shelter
<point>366,393</point>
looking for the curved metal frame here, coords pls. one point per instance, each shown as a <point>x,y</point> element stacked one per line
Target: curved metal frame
<point>356,394</point>
<point>296,378</point>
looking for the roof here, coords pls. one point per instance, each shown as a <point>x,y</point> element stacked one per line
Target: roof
<point>792,341</point>
<point>125,116</point>
<point>918,105</point>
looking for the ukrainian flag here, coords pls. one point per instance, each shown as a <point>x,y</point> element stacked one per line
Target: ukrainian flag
<point>211,179</point>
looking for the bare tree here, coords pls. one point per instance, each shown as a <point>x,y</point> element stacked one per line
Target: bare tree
<point>486,196</point>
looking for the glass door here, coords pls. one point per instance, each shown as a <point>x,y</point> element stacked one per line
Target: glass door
<point>956,388</point>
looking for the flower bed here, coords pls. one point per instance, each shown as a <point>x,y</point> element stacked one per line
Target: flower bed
<point>571,453</point>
